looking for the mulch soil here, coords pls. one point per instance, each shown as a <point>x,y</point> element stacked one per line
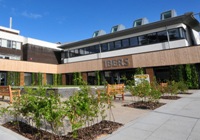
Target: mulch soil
<point>145,105</point>
<point>87,133</point>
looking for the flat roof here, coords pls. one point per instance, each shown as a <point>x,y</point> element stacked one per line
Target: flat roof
<point>188,19</point>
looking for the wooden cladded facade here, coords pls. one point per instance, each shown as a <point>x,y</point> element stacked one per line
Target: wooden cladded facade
<point>185,55</point>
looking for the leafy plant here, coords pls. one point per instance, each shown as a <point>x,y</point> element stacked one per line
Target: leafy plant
<point>139,70</point>
<point>172,88</point>
<point>142,90</point>
<point>182,87</point>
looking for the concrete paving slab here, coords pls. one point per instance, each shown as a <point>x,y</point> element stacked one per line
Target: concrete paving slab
<point>6,134</point>
<point>177,120</point>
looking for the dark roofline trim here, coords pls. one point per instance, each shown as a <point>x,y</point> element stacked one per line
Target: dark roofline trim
<point>187,19</point>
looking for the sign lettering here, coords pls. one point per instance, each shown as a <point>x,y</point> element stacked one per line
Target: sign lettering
<point>116,63</point>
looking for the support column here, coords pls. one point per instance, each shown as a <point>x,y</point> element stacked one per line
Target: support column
<point>21,83</point>
<point>63,79</point>
<point>84,76</point>
<point>44,78</point>
<point>151,73</point>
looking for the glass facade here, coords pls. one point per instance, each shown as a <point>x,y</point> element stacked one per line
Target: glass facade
<point>146,39</point>
<point>27,79</point>
<point>49,79</point>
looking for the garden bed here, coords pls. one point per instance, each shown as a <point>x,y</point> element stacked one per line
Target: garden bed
<point>87,133</point>
<point>145,105</point>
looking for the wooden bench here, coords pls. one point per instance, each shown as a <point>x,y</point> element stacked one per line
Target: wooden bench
<point>7,91</point>
<point>113,90</point>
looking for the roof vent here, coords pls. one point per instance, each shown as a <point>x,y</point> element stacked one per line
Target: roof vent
<point>168,14</point>
<point>140,22</point>
<point>98,33</point>
<point>117,28</point>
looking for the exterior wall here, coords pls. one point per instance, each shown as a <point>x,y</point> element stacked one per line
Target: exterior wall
<point>185,55</point>
<point>23,66</point>
<point>84,66</point>
<point>9,51</point>
<point>41,54</point>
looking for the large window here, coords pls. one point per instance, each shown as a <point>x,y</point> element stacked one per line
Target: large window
<point>104,47</point>
<point>49,79</point>
<point>9,45</point>
<point>94,49</point>
<point>87,50</point>
<point>162,36</point>
<point>82,51</point>
<point>143,40</point>
<point>134,41</point>
<point>27,79</point>
<point>14,45</point>
<point>146,39</point>
<point>118,44</point>
<point>71,53</point>
<point>111,46</point>
<point>182,33</point>
<point>152,38</point>
<point>125,43</point>
<point>174,34</point>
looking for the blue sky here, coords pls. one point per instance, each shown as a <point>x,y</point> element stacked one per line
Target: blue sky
<point>74,20</point>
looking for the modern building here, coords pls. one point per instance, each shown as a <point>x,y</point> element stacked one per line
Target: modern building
<point>173,40</point>
<point>155,46</point>
<point>17,51</point>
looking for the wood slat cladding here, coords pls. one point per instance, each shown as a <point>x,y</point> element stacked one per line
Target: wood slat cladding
<point>187,55</point>
<point>21,79</point>
<point>122,62</point>
<point>151,73</point>
<point>83,66</point>
<point>40,54</point>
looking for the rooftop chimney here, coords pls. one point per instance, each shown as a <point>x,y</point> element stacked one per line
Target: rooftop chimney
<point>10,22</point>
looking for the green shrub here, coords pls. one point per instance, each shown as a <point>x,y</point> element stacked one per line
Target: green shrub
<point>172,88</point>
<point>182,87</point>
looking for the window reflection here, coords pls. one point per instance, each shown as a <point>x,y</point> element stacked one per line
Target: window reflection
<point>125,43</point>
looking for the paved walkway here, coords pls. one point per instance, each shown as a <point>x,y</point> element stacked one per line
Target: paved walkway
<point>177,120</point>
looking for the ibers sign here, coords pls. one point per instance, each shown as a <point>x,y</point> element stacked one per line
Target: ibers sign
<point>113,63</point>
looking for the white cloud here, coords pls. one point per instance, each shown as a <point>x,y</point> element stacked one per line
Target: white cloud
<point>31,15</point>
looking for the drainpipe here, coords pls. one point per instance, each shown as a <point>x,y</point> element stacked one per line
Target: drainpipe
<point>99,54</point>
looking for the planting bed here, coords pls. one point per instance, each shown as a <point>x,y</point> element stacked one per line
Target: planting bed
<point>145,105</point>
<point>87,133</point>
